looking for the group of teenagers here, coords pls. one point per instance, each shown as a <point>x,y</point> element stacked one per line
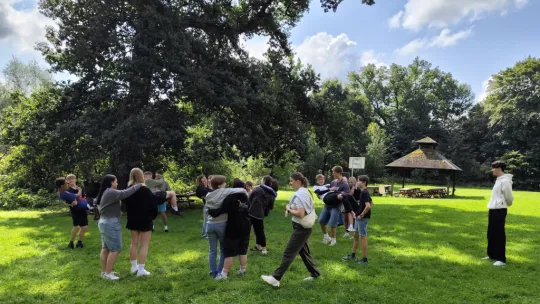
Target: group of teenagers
<point>142,201</point>
<point>231,213</point>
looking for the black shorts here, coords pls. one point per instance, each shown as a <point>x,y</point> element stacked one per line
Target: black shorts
<point>79,219</point>
<point>161,196</point>
<point>235,246</point>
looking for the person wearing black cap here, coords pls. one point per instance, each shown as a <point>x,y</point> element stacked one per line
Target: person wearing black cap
<point>501,199</point>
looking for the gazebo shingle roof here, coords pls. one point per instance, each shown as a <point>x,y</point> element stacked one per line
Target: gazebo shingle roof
<point>426,157</point>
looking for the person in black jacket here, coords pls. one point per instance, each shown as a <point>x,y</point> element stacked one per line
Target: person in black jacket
<point>141,210</point>
<point>201,192</point>
<point>237,230</point>
<point>261,201</point>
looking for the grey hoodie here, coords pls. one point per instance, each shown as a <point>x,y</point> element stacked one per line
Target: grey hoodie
<point>501,196</point>
<point>214,200</point>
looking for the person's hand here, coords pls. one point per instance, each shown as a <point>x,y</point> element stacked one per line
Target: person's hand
<point>359,217</point>
<point>334,188</point>
<point>286,213</point>
<point>340,196</point>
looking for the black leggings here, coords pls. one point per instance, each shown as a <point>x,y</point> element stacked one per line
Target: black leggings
<point>258,227</point>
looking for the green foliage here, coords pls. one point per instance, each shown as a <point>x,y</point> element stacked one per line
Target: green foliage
<point>513,107</point>
<point>376,155</point>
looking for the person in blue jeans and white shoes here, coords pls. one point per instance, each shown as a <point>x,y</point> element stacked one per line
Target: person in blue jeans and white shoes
<point>216,226</point>
<point>331,213</point>
<point>363,214</point>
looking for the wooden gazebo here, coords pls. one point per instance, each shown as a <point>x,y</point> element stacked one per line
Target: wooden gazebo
<point>426,157</point>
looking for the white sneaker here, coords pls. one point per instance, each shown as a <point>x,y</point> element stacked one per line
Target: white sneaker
<point>134,270</point>
<point>270,280</point>
<point>143,272</point>
<point>102,274</point>
<point>111,276</point>
<point>347,235</point>
<point>220,277</point>
<point>326,240</point>
<point>264,252</point>
<point>499,263</point>
<point>486,258</point>
<point>351,228</point>
<point>309,279</point>
<point>333,242</point>
<point>241,272</point>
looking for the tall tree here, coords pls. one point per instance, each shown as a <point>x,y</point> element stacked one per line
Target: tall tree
<point>23,77</point>
<point>513,106</point>
<point>138,59</point>
<point>412,102</point>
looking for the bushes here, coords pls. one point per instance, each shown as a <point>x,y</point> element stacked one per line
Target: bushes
<point>24,198</point>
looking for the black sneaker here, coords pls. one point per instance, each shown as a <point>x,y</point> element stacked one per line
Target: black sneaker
<point>177,213</point>
<point>79,245</point>
<point>166,229</point>
<point>70,246</point>
<point>362,262</point>
<point>349,257</point>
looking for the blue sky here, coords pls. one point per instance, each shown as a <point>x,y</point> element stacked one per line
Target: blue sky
<point>472,39</point>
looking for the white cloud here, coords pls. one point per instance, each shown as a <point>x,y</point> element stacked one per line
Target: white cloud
<point>485,89</point>
<point>330,56</point>
<point>443,13</point>
<point>443,40</point>
<point>370,57</point>
<point>446,38</point>
<point>395,21</point>
<point>256,47</point>
<point>23,28</point>
<point>412,47</point>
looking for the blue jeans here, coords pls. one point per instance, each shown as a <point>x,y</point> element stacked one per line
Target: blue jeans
<point>203,233</point>
<point>216,232</point>
<point>111,233</point>
<point>330,216</point>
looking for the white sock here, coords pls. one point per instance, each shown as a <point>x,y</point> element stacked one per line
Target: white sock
<point>333,239</point>
<point>134,263</point>
<point>166,227</point>
<point>243,268</point>
<point>140,267</point>
<point>326,235</point>
<point>175,208</point>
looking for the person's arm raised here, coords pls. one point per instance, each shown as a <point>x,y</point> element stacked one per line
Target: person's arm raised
<point>123,194</point>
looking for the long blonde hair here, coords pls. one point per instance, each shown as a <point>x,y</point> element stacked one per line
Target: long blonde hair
<point>352,181</point>
<point>136,176</point>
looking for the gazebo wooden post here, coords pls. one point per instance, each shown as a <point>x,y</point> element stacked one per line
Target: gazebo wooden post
<point>454,183</point>
<point>448,183</point>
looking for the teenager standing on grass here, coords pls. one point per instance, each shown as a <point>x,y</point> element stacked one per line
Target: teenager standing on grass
<point>348,218</point>
<point>501,199</point>
<point>141,209</point>
<point>78,211</point>
<point>201,192</point>
<point>217,225</point>
<point>300,205</point>
<point>330,214</point>
<point>237,230</point>
<point>261,201</point>
<point>108,202</point>
<point>363,215</point>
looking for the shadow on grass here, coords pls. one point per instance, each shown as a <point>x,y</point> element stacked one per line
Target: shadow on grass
<point>418,254</point>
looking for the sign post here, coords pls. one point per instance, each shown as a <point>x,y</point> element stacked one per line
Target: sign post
<point>356,163</point>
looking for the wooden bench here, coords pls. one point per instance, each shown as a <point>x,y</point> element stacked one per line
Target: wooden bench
<point>185,198</point>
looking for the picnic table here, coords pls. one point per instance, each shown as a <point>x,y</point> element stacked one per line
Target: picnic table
<point>435,192</point>
<point>409,192</point>
<point>185,198</point>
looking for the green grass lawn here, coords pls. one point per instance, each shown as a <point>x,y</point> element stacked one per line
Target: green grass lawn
<point>421,251</point>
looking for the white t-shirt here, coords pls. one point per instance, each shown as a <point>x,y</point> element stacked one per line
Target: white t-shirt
<point>301,199</point>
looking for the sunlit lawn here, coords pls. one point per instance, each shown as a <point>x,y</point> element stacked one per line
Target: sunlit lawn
<point>421,251</point>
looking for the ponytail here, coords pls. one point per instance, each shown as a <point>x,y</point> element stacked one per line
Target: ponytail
<point>297,176</point>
